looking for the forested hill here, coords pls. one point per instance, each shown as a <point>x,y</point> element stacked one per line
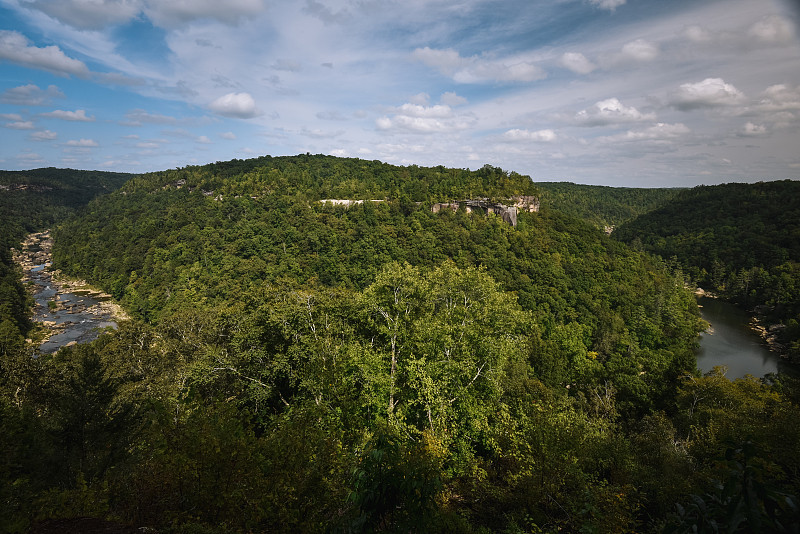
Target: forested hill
<point>298,365</point>
<point>740,240</point>
<point>316,177</point>
<point>603,206</point>
<point>35,199</point>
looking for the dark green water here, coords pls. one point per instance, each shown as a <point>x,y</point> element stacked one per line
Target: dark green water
<point>732,343</point>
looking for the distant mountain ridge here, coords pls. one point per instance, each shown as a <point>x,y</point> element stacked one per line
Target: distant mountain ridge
<point>603,206</point>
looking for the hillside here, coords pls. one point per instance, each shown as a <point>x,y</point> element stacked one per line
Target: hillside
<point>374,364</point>
<point>602,206</point>
<point>739,240</point>
<point>33,200</point>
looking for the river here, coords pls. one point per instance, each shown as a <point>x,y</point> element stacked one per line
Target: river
<point>71,311</point>
<point>731,342</point>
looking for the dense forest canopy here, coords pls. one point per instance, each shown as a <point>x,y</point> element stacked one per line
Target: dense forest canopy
<point>603,206</point>
<point>739,240</point>
<point>298,365</point>
<point>35,199</point>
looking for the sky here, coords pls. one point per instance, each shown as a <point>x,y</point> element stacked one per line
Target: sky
<point>637,93</point>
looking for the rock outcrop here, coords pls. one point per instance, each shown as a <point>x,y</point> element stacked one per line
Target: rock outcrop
<point>483,205</point>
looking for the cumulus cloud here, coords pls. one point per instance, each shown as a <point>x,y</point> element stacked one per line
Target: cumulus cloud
<point>538,136</point>
<point>478,69</point>
<point>697,34</point>
<point>780,97</point>
<point>78,115</point>
<point>424,119</point>
<point>237,105</point>
<point>640,50</point>
<point>16,48</point>
<point>44,135</point>
<point>228,135</point>
<point>30,95</point>
<point>20,125</point>
<point>83,143</point>
<point>611,111</point>
<point>658,132</point>
<point>10,116</point>
<point>710,93</point>
<point>752,130</point>
<point>577,63</point>
<point>773,29</point>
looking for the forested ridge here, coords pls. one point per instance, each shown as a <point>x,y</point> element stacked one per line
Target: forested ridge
<point>741,241</point>
<point>603,206</point>
<point>299,366</point>
<point>35,199</point>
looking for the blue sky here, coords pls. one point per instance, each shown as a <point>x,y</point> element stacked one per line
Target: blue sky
<point>641,93</point>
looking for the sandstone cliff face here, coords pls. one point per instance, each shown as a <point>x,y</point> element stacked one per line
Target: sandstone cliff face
<point>507,213</point>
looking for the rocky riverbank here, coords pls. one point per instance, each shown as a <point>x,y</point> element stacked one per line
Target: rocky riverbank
<point>71,311</point>
<point>770,333</point>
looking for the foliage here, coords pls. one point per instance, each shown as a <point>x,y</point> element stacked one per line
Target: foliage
<point>603,206</point>
<point>739,240</point>
<point>296,365</point>
<point>33,200</point>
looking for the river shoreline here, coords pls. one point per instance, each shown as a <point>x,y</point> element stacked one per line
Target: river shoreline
<point>768,332</point>
<point>70,311</point>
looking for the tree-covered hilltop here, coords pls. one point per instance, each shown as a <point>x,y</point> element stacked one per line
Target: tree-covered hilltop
<point>34,200</point>
<point>296,365</point>
<point>188,239</point>
<point>739,240</point>
<point>603,206</point>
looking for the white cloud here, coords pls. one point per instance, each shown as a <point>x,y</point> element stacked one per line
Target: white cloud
<point>640,50</point>
<point>30,95</point>
<point>539,136</point>
<point>780,97</point>
<point>10,116</point>
<point>16,48</point>
<point>611,5</point>
<point>658,132</point>
<point>773,29</point>
<point>477,69</point>
<point>20,125</point>
<point>611,111</point>
<point>424,119</point>
<point>228,135</point>
<point>44,135</point>
<point>85,143</point>
<point>237,105</point>
<point>203,140</point>
<point>77,115</point>
<point>711,92</point>
<point>752,130</point>
<point>577,63</point>
<point>697,34</point>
